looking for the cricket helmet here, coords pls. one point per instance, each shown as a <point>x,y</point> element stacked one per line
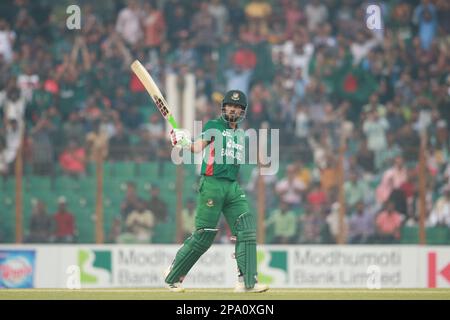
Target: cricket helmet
<point>235,97</point>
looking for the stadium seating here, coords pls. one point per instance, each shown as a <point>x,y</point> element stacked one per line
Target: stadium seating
<point>410,235</point>
<point>81,199</point>
<point>434,235</point>
<point>438,235</point>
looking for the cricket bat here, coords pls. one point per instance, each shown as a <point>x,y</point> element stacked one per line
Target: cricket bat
<point>154,92</point>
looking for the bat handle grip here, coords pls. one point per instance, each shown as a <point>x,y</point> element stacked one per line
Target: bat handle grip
<point>172,122</point>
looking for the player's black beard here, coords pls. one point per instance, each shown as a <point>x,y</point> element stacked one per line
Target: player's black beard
<point>228,117</point>
<point>231,118</point>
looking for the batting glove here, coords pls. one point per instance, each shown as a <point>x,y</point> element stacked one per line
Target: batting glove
<point>180,138</point>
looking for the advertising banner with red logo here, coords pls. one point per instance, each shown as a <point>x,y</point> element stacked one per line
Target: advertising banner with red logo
<point>434,267</point>
<point>280,266</point>
<point>17,268</point>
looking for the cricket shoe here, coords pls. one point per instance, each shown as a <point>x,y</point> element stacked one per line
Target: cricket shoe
<point>173,287</point>
<point>240,288</point>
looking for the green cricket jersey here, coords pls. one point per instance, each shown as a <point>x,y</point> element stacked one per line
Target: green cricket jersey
<point>231,150</point>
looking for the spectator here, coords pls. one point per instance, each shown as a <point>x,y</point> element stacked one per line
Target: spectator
<point>42,147</point>
<point>388,155</point>
<point>115,231</point>
<point>356,191</point>
<point>7,37</point>
<point>130,202</point>
<point>303,173</point>
<point>129,23</point>
<point>376,108</point>
<point>312,224</point>
<point>409,188</point>
<point>41,224</point>
<point>157,205</point>
<point>153,137</point>
<point>298,53</point>
<point>316,14</point>
<point>14,106</point>
<point>257,12</point>
<point>324,36</point>
<point>361,225</point>
<point>333,223</point>
<point>426,17</point>
<point>440,215</point>
<point>73,128</point>
<point>70,96</point>
<point>365,159</point>
<point>362,46</point>
<point>27,82</point>
<point>185,55</point>
<point>238,78</point>
<point>290,189</point>
<point>392,179</point>
<point>140,222</point>
<point>154,27</point>
<point>65,230</point>
<point>237,15</point>
<point>388,223</point>
<point>409,139</point>
<point>73,160</point>
<point>202,29</point>
<point>394,118</point>
<point>257,115</point>
<point>107,125</point>
<point>284,221</point>
<point>177,22</point>
<point>13,139</point>
<point>132,119</point>
<point>317,197</point>
<point>375,128</point>
<point>321,150</point>
<point>188,218</point>
<point>302,123</point>
<point>119,145</point>
<point>269,185</point>
<point>220,14</point>
<point>294,16</point>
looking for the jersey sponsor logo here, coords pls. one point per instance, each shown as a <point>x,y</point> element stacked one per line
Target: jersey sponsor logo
<point>231,154</point>
<point>232,144</point>
<point>227,133</point>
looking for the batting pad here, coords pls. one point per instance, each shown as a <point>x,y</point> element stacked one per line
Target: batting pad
<point>193,248</point>
<point>246,248</point>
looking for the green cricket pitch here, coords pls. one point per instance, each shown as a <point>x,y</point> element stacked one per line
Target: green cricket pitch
<point>224,294</point>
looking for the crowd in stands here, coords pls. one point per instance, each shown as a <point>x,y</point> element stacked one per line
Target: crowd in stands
<point>58,228</point>
<point>310,68</point>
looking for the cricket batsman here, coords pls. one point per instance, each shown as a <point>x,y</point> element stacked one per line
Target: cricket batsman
<point>219,192</point>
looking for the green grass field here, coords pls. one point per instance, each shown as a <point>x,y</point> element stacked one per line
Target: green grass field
<point>224,294</point>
